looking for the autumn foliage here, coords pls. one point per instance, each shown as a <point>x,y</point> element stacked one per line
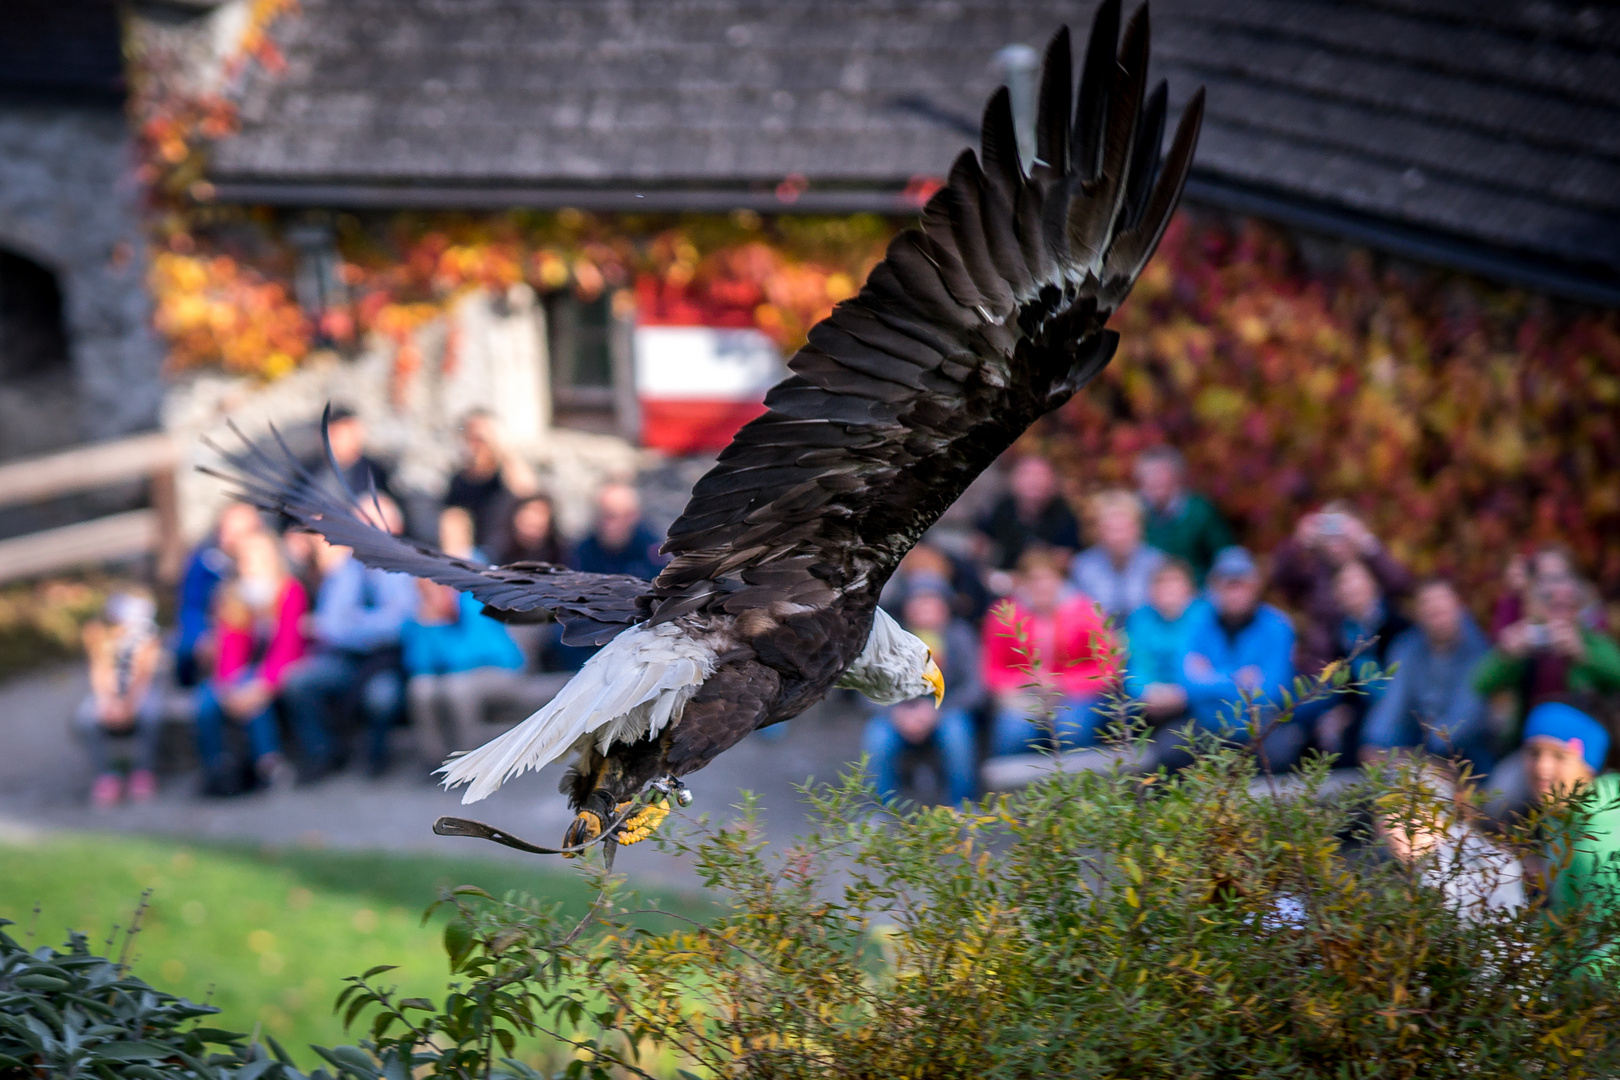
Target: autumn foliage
<point>1464,421</point>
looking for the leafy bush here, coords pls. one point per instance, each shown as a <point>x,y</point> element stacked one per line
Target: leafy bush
<point>1201,925</point>
<point>1459,418</point>
<point>69,1013</point>
<point>1216,923</point>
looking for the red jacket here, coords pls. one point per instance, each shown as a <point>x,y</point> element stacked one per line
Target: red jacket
<point>265,651</point>
<point>1074,646</point>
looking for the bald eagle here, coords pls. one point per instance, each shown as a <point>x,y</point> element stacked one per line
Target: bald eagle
<point>988,315</point>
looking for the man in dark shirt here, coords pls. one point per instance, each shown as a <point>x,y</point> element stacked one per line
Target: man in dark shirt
<point>621,543</point>
<point>346,433</point>
<point>490,482</point>
<point>1031,513</point>
<point>1178,522</point>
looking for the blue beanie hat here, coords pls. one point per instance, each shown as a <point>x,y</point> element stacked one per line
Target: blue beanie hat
<point>1555,720</point>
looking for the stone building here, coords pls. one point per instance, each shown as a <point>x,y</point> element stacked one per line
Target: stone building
<point>1482,136</point>
<point>1477,138</point>
<point>78,360</point>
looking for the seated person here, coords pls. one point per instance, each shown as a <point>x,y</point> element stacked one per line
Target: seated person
<point>1565,749</point>
<point>359,472</point>
<point>1115,571</point>
<point>354,666</point>
<point>120,716</point>
<point>1304,568</point>
<point>456,659</point>
<point>1156,637</point>
<point>910,726</point>
<point>1425,830</point>
<point>1520,577</point>
<point>1048,660</point>
<point>1549,653</point>
<point>1178,522</point>
<point>931,562</point>
<point>531,535</point>
<point>1368,627</point>
<point>621,543</point>
<point>212,561</point>
<point>1237,663</point>
<point>1430,701</point>
<point>491,480</point>
<point>259,633</point>
<point>1031,514</point>
<point>456,532</point>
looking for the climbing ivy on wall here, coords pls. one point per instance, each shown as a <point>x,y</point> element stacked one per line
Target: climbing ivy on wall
<point>1465,421</point>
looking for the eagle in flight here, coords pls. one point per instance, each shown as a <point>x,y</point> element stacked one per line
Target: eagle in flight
<point>988,315</point>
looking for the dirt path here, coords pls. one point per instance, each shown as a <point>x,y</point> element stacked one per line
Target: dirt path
<point>44,778</point>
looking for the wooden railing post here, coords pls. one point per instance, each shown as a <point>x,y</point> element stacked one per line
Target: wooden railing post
<point>154,531</point>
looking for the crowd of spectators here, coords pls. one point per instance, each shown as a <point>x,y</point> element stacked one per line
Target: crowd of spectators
<point>1048,625</point>
<point>1142,605</point>
<point>300,661</point>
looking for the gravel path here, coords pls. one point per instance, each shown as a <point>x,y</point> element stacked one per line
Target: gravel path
<point>44,779</point>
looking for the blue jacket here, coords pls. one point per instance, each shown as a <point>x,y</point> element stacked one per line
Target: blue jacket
<point>1431,701</point>
<point>1214,658</point>
<point>360,609</point>
<point>1156,647</point>
<point>474,640</point>
<point>204,570</point>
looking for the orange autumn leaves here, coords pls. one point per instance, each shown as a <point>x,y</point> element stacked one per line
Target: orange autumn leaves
<point>212,310</point>
<point>216,310</point>
<point>1462,420</point>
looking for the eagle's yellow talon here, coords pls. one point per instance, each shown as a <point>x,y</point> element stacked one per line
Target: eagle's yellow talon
<point>640,825</point>
<point>586,826</point>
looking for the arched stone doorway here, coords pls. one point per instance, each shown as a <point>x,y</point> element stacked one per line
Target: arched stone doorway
<point>38,399</point>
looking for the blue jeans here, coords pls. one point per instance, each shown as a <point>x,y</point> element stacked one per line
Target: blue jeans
<point>1075,719</point>
<point>952,737</point>
<point>263,738</point>
<point>141,738</point>
<point>317,687</point>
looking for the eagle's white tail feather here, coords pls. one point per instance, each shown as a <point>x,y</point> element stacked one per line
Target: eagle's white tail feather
<point>635,685</point>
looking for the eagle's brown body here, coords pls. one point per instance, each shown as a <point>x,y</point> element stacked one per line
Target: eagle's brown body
<point>985,318</point>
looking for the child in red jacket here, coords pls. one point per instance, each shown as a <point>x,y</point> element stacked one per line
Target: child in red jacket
<point>1048,649</point>
<point>259,634</point>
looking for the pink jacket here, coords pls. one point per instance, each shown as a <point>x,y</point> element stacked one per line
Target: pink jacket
<point>1075,649</point>
<point>238,644</point>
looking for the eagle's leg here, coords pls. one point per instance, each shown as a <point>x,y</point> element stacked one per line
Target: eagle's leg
<point>600,794</point>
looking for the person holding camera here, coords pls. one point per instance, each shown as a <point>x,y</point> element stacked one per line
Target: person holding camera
<point>1549,653</point>
<point>1305,567</point>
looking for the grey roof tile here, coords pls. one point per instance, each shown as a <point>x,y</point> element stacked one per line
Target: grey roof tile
<point>1491,121</point>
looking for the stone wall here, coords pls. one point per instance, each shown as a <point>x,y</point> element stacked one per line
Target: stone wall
<point>68,201</point>
<point>497,362</point>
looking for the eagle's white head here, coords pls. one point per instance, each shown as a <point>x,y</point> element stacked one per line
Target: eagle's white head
<point>895,666</point>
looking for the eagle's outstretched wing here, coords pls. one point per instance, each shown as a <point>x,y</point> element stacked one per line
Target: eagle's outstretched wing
<point>592,608</point>
<point>973,326</point>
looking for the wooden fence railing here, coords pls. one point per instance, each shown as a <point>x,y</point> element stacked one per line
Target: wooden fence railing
<point>155,530</point>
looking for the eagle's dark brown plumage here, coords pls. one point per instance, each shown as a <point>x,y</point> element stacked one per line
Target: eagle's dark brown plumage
<point>986,317</point>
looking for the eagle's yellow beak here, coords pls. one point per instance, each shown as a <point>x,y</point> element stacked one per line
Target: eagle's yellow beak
<point>936,679</point>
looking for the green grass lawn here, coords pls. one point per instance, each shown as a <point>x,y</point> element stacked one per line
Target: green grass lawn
<point>266,935</point>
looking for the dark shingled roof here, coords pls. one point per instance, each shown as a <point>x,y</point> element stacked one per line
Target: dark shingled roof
<point>1479,133</point>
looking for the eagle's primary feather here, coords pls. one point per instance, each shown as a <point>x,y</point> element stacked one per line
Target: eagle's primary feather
<point>987,316</point>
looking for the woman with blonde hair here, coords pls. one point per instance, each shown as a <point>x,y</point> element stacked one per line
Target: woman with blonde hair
<point>259,633</point>
<point>1117,570</point>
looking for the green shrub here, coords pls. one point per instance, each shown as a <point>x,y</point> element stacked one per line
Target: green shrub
<point>1202,925</point>
<point>69,1013</point>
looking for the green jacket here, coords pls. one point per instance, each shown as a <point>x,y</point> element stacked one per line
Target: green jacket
<point>1598,673</point>
<point>1194,532</point>
<point>1593,873</point>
